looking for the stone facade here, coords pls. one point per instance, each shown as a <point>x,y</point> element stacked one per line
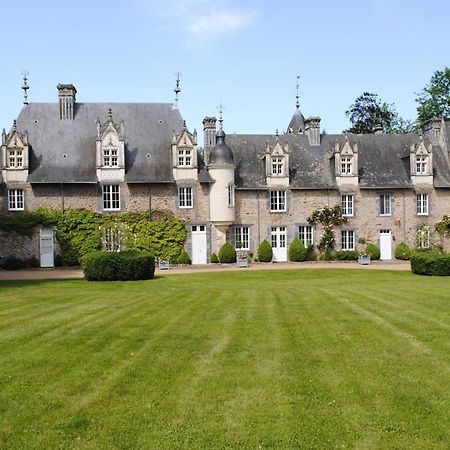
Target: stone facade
<point>125,157</point>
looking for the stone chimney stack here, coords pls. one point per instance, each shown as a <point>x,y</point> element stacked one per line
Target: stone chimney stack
<point>312,130</point>
<point>66,95</point>
<point>378,129</point>
<point>432,131</point>
<point>209,132</point>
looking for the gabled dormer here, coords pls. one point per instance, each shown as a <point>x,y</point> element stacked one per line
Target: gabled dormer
<point>14,155</point>
<point>110,150</point>
<point>346,163</point>
<point>421,163</point>
<point>277,164</point>
<point>184,155</point>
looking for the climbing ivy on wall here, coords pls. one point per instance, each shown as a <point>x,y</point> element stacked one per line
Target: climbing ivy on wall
<point>79,232</point>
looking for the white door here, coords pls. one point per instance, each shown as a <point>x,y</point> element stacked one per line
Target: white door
<point>385,244</point>
<point>46,247</point>
<point>198,238</point>
<point>278,240</point>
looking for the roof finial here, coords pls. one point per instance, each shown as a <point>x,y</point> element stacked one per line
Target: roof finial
<point>14,125</point>
<point>220,107</point>
<point>297,96</point>
<point>25,87</point>
<point>109,114</point>
<point>177,89</point>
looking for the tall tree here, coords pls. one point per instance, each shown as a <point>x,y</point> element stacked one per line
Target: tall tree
<point>368,112</point>
<point>434,100</point>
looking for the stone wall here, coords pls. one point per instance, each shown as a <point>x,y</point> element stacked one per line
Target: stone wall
<point>13,244</point>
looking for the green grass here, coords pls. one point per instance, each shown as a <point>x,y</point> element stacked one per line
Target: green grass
<point>281,359</point>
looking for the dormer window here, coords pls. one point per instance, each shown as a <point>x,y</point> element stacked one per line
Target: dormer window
<point>346,165</point>
<point>421,165</point>
<point>15,158</point>
<point>110,155</point>
<point>277,166</point>
<point>184,157</point>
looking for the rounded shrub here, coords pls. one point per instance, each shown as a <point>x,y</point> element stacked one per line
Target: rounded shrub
<point>311,254</point>
<point>214,259</point>
<point>297,251</point>
<point>227,253</point>
<point>265,252</point>
<point>110,266</point>
<point>402,251</point>
<point>13,263</point>
<point>427,263</point>
<point>184,258</point>
<point>373,251</point>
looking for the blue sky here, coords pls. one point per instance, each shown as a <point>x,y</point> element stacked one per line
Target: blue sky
<point>245,54</point>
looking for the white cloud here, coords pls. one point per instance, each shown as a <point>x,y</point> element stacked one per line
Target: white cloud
<point>198,19</point>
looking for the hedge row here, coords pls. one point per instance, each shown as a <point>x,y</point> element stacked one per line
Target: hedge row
<point>110,266</point>
<point>425,263</point>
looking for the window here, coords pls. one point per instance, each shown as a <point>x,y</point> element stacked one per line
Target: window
<point>110,158</point>
<point>305,234</point>
<point>385,204</point>
<point>185,197</point>
<point>346,165</point>
<point>15,158</point>
<point>277,166</point>
<point>242,238</point>
<point>184,157</point>
<point>114,239</point>
<point>111,197</point>
<point>421,165</point>
<point>422,204</point>
<point>230,195</point>
<point>423,237</point>
<point>347,205</point>
<point>277,201</point>
<point>348,240</point>
<point>15,199</point>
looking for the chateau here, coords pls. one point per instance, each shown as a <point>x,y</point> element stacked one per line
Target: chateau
<point>238,188</point>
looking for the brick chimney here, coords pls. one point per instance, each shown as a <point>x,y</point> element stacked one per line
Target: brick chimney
<point>432,130</point>
<point>66,95</point>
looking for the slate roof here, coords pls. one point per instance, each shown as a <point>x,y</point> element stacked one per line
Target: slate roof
<point>64,150</point>
<point>383,160</point>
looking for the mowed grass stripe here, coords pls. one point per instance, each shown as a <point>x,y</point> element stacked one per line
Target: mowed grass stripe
<point>285,359</point>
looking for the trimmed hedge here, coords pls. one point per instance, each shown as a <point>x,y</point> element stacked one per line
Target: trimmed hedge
<point>373,251</point>
<point>265,252</point>
<point>214,259</point>
<point>297,251</point>
<point>425,263</point>
<point>110,266</point>
<point>347,255</point>
<point>402,251</point>
<point>227,253</point>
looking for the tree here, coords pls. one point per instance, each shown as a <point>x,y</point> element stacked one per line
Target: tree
<point>368,112</point>
<point>434,100</point>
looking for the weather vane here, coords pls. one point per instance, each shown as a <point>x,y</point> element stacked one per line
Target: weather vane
<point>220,108</point>
<point>177,89</point>
<point>25,87</point>
<point>297,96</point>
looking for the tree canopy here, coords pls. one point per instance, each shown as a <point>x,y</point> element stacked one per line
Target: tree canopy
<point>369,112</point>
<point>434,100</point>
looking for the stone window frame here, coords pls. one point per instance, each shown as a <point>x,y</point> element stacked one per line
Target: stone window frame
<point>185,197</point>
<point>15,158</point>
<point>110,156</point>
<point>277,200</point>
<point>16,200</point>
<point>421,164</point>
<point>388,197</point>
<point>348,205</point>
<point>305,232</point>
<point>346,165</point>
<point>348,240</point>
<point>277,166</point>
<point>111,197</point>
<point>241,235</point>
<point>422,204</point>
<point>231,195</point>
<point>184,157</point>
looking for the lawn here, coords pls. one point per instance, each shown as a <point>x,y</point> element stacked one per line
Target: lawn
<point>266,359</point>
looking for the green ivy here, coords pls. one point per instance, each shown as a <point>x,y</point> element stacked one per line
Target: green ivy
<point>79,232</point>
